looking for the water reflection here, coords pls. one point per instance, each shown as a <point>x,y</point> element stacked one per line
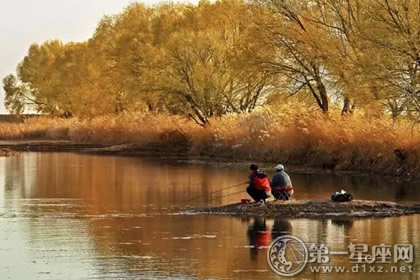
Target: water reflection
<point>280,227</point>
<point>111,217</point>
<point>262,231</point>
<point>259,235</point>
<point>346,223</point>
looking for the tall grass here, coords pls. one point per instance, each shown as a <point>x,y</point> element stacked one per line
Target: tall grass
<point>304,137</point>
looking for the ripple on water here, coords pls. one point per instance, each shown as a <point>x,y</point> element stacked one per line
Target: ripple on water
<point>195,236</point>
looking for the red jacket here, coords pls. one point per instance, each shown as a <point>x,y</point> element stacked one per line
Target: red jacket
<point>260,181</point>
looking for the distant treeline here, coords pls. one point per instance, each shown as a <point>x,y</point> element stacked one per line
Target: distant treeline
<point>214,58</point>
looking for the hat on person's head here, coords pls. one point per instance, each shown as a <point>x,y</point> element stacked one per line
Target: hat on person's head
<point>279,167</point>
<point>253,167</point>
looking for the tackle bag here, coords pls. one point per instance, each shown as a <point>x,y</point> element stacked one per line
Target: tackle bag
<point>342,196</point>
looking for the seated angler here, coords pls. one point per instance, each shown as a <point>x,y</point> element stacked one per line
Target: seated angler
<point>281,185</point>
<point>259,185</point>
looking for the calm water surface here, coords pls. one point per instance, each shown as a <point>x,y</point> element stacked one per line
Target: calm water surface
<point>69,216</point>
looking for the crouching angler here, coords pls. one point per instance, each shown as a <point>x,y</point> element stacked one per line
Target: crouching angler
<point>259,185</point>
<point>281,185</point>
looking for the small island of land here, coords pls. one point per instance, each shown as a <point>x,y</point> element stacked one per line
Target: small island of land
<point>315,209</point>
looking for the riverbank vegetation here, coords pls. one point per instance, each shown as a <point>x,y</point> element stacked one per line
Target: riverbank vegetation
<point>332,83</point>
<point>271,134</point>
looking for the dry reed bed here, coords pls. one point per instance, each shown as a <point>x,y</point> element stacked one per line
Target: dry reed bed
<point>355,143</point>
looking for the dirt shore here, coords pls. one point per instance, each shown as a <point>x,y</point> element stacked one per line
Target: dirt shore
<point>314,209</point>
<point>47,146</point>
<point>6,152</point>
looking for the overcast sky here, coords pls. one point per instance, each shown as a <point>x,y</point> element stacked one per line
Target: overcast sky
<point>23,22</point>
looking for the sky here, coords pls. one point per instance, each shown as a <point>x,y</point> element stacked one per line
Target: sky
<point>23,22</point>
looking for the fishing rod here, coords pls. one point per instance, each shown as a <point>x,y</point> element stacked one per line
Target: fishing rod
<point>230,187</point>
<point>223,196</point>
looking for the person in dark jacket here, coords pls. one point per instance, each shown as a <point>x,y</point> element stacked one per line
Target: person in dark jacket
<point>281,185</point>
<point>259,186</point>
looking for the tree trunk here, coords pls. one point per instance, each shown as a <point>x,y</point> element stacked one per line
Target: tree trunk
<point>348,106</point>
<point>322,96</point>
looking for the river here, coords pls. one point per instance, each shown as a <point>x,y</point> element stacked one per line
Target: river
<point>73,216</point>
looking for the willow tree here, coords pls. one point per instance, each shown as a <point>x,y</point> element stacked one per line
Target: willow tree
<point>202,72</point>
<point>391,31</point>
<point>198,81</point>
<point>38,72</point>
<point>18,96</point>
<point>288,45</point>
<point>232,22</point>
<point>123,48</point>
<point>337,23</point>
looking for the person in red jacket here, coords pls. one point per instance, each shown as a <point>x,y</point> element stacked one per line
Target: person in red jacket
<point>259,185</point>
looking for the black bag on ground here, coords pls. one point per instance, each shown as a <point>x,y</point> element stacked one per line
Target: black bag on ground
<point>341,197</point>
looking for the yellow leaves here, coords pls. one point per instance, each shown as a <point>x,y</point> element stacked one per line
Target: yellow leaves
<point>226,56</point>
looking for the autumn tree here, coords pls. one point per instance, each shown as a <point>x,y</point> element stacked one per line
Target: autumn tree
<point>123,50</point>
<point>18,96</point>
<point>288,45</point>
<point>231,56</point>
<point>202,73</point>
<point>391,31</point>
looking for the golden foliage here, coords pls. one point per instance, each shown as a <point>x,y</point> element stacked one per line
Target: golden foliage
<point>230,56</point>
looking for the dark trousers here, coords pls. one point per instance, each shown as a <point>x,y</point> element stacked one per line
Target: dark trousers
<point>257,195</point>
<point>280,195</point>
